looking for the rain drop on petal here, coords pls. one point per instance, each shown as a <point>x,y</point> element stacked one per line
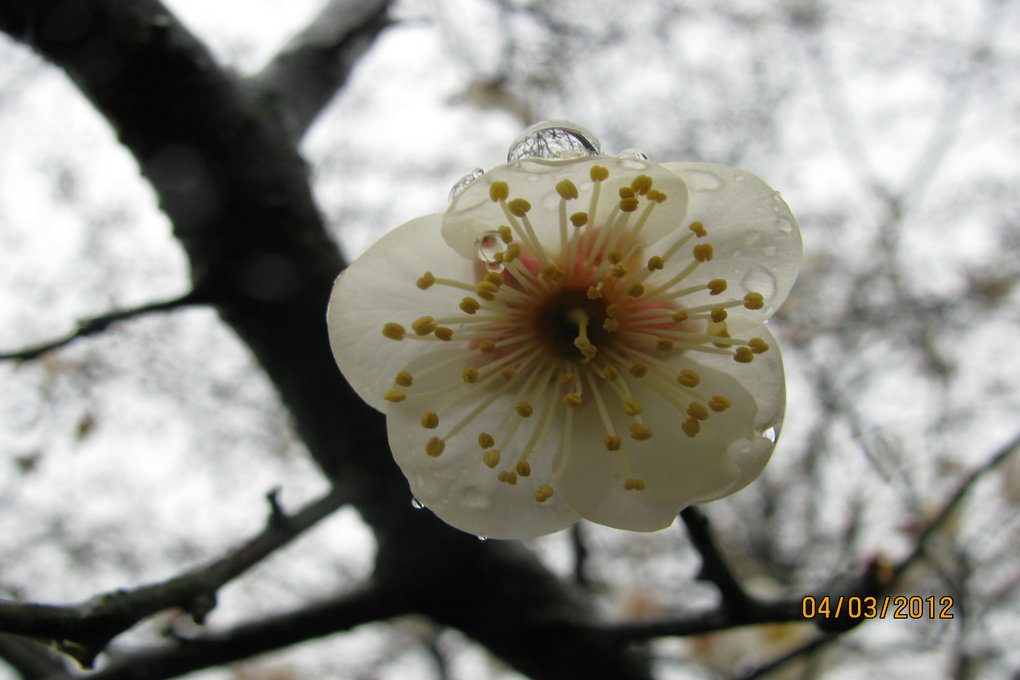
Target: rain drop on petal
<point>464,182</point>
<point>488,246</point>
<point>555,140</point>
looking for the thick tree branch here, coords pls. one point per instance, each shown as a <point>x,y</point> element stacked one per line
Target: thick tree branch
<point>83,630</point>
<point>309,70</point>
<point>98,324</point>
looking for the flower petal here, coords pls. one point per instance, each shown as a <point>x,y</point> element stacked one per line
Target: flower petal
<point>379,288</point>
<point>456,484</point>
<point>473,213</point>
<point>754,236</point>
<point>728,452</point>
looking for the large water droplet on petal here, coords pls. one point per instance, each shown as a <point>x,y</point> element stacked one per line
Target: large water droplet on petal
<point>464,182</point>
<point>556,140</point>
<point>488,246</point>
<point>633,154</point>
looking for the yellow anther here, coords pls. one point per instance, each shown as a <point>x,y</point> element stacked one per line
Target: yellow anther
<point>469,305</point>
<point>512,252</point>
<point>443,333</point>
<point>634,484</point>
<point>394,396</point>
<point>626,192</point>
<point>470,374</point>
<point>568,379</point>
<point>518,207</point>
<point>719,315</point>
<point>754,301</point>
<point>594,293</point>
<point>486,440</point>
<point>430,421</point>
<point>423,325</point>
<point>394,331</point>
<point>613,310</point>
<point>579,219</point>
<point>610,373</point>
<point>486,290</point>
<point>613,443</point>
<point>404,379</point>
<point>507,478</point>
<point>719,404</point>
<point>743,355</point>
<point>505,233</point>
<point>639,369</point>
<point>656,195</point>
<point>486,347</point>
<point>494,278</point>
<point>426,280</point>
<point>637,290</point>
<point>698,228</point>
<point>566,189</point>
<point>688,378</point>
<point>553,272</point>
<point>507,374</point>
<point>524,468</point>
<point>524,409</point>
<point>716,286</point>
<point>614,257</point>
<point>697,411</point>
<point>680,316</point>
<point>664,345</point>
<point>435,447</point>
<point>629,204</point>
<point>598,173</point>
<point>588,350</point>
<point>610,325</point>
<point>655,262</point>
<point>702,252</point>
<point>498,191</point>
<point>572,399</point>
<point>640,432</point>
<point>618,271</point>
<point>641,184</point>
<point>631,407</point>
<point>491,458</point>
<point>690,427</point>
<point>543,493</point>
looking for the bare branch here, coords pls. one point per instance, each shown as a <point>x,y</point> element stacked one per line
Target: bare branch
<point>30,659</point>
<point>309,70</point>
<point>100,323</point>
<point>82,631</point>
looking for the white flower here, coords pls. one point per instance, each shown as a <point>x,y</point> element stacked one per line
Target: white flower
<point>579,335</point>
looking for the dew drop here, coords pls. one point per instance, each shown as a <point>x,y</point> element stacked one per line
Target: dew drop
<point>483,538</point>
<point>770,434</point>
<point>464,182</point>
<point>784,225</point>
<point>417,504</point>
<point>556,140</point>
<point>487,247</point>
<point>633,154</point>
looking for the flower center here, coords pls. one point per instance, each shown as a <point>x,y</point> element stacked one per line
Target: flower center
<point>569,322</point>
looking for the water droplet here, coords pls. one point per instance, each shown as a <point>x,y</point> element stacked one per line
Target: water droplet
<point>784,225</point>
<point>464,182</point>
<point>417,504</point>
<point>487,247</point>
<point>770,434</point>
<point>633,154</point>
<point>483,538</point>
<point>556,140</point>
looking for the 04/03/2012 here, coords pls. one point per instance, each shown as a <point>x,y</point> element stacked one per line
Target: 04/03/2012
<point>889,606</point>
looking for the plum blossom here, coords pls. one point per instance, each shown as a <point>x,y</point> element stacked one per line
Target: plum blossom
<point>579,335</point>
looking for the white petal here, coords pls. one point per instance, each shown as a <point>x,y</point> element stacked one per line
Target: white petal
<point>473,214</point>
<point>729,452</point>
<point>379,287</point>
<point>754,236</point>
<point>457,485</point>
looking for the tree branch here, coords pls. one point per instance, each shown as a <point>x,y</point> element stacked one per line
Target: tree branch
<point>82,631</point>
<point>309,70</point>
<point>98,324</point>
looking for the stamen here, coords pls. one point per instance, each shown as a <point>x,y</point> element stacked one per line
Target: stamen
<point>394,331</point>
<point>430,421</point>
<point>404,379</point>
<point>426,281</point>
<point>435,447</point>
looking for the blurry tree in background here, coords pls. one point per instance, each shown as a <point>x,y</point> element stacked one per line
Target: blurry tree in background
<point>140,447</point>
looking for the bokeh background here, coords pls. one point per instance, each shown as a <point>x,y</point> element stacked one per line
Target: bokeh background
<point>893,132</point>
